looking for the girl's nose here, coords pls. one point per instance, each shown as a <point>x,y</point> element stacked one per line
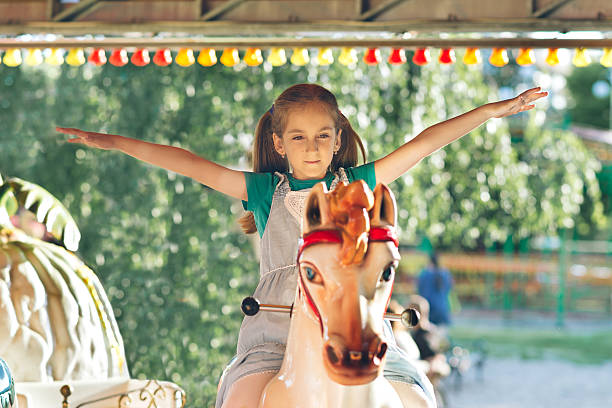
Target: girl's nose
<point>312,146</point>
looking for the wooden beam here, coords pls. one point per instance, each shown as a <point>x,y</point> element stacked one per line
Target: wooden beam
<point>52,7</point>
<point>548,10</point>
<point>222,9</point>
<point>375,12</point>
<point>229,28</point>
<point>73,12</point>
<point>291,42</point>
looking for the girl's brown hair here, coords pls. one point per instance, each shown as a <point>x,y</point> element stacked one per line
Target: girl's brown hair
<point>265,157</point>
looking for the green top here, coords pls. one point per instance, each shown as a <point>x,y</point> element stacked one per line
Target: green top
<point>261,186</point>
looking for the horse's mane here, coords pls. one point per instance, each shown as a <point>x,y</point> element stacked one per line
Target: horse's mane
<point>349,205</point>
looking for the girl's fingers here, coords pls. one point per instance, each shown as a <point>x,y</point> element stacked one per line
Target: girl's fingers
<point>526,108</point>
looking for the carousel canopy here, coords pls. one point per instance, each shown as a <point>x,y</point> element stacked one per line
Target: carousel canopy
<point>335,21</point>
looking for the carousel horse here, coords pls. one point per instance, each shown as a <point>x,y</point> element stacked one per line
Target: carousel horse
<point>335,349</point>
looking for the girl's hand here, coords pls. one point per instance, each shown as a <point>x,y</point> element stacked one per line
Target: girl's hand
<point>521,103</point>
<point>91,139</point>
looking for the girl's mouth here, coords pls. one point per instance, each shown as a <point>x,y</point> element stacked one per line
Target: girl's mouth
<point>312,162</point>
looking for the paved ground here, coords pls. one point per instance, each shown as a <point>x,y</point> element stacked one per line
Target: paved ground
<point>511,383</point>
<point>516,383</point>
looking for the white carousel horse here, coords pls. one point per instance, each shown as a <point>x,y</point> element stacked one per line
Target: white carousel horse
<point>335,351</point>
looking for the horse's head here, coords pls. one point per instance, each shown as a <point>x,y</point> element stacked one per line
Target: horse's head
<point>346,262</point>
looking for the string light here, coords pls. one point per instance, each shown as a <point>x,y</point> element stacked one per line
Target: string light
<point>253,57</point>
<point>472,56</point>
<point>581,57</point>
<point>141,57</point>
<point>372,56</point>
<point>300,56</point>
<point>447,56</point>
<point>552,58</point>
<point>526,57</point>
<point>97,57</point>
<point>421,56</point>
<point>12,57</point>
<point>325,56</point>
<point>34,57</point>
<point>606,58</point>
<point>499,57</point>
<point>185,57</point>
<point>397,56</point>
<point>277,57</point>
<point>55,58</point>
<point>207,57</point>
<point>75,57</point>
<point>230,57</point>
<point>162,57</point>
<point>119,57</point>
<point>348,56</point>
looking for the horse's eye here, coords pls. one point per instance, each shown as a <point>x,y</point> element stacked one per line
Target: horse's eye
<point>387,273</point>
<point>310,273</point>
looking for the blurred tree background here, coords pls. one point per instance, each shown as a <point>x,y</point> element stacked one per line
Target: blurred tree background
<point>168,250</point>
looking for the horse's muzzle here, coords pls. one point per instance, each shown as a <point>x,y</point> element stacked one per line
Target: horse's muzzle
<point>354,367</point>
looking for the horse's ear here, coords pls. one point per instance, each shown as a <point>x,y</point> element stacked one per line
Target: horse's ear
<point>316,211</point>
<point>384,211</point>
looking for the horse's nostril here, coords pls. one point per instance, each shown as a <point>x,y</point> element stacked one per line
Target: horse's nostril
<point>331,354</point>
<point>382,349</point>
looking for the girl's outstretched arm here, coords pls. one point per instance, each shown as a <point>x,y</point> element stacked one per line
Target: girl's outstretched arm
<point>220,178</point>
<point>437,136</point>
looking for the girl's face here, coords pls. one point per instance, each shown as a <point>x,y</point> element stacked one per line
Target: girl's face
<point>310,141</point>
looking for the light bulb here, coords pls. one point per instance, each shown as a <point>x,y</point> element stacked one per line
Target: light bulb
<point>421,56</point>
<point>230,57</point>
<point>300,56</point>
<point>55,57</point>
<point>372,56</point>
<point>277,57</point>
<point>141,57</point>
<point>97,57</point>
<point>397,56</point>
<point>606,58</point>
<point>325,56</point>
<point>12,57</point>
<point>447,56</point>
<point>162,57</point>
<point>499,57</point>
<point>207,57</point>
<point>185,57</point>
<point>581,58</point>
<point>34,57</point>
<point>75,57</point>
<point>348,56</point>
<point>552,58</point>
<point>472,56</point>
<point>118,57</point>
<point>253,57</point>
<point>526,57</point>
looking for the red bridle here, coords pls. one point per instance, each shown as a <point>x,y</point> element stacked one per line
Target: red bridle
<point>376,234</point>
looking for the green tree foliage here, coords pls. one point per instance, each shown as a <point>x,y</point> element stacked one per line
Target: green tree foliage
<point>168,249</point>
<point>587,108</point>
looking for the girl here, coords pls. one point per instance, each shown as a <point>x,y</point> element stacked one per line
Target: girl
<point>303,139</point>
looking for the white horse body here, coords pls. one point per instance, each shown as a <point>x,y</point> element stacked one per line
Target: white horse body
<point>335,351</point>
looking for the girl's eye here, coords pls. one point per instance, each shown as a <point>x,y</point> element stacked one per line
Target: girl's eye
<point>310,274</point>
<point>297,137</point>
<point>387,273</point>
<point>324,136</point>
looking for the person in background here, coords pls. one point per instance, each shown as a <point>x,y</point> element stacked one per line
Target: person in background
<point>435,284</point>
